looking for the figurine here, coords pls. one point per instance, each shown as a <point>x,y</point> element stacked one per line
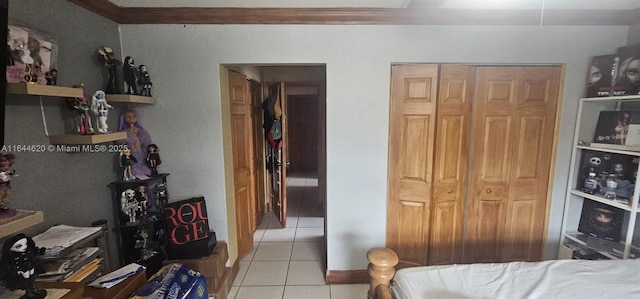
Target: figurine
<point>126,160</point>
<point>143,199</point>
<point>52,77</point>
<point>144,80</point>
<point>107,58</point>
<point>153,158</point>
<point>129,73</point>
<point>81,106</point>
<point>101,108</point>
<point>162,196</point>
<point>6,163</point>
<point>19,261</point>
<point>129,205</point>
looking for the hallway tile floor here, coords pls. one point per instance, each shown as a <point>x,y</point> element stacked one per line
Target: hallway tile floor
<point>290,263</point>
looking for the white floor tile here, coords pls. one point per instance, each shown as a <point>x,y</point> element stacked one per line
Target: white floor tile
<point>232,292</point>
<point>265,292</point>
<point>278,251</point>
<point>279,235</point>
<point>292,221</point>
<point>266,273</point>
<point>258,234</point>
<point>307,292</point>
<point>305,273</point>
<point>311,222</point>
<point>249,257</point>
<point>304,234</point>
<point>241,273</point>
<point>349,291</point>
<point>308,251</point>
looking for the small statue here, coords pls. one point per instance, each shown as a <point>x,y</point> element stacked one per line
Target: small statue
<point>162,196</point>
<point>129,205</point>
<point>153,158</point>
<point>81,106</point>
<point>107,58</point>
<point>6,163</point>
<point>129,73</point>
<point>52,77</point>
<point>143,199</point>
<point>144,79</point>
<point>101,108</point>
<point>19,261</point>
<point>126,161</point>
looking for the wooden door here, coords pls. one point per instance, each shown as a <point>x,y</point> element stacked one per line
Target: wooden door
<point>411,146</point>
<point>258,151</point>
<point>302,116</point>
<point>279,176</point>
<point>242,146</point>
<point>455,96</point>
<point>513,131</point>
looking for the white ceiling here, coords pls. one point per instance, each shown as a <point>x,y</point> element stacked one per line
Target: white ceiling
<point>441,4</point>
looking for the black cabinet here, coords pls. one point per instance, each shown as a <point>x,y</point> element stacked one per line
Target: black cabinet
<point>138,208</point>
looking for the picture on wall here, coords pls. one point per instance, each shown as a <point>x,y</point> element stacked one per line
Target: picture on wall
<point>601,221</point>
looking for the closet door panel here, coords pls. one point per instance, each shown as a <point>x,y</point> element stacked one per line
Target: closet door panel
<point>411,146</point>
<point>490,165</point>
<point>457,83</point>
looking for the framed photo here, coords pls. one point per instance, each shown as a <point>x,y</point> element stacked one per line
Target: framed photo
<point>601,221</point>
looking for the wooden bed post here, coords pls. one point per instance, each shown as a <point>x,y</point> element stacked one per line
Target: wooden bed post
<point>382,262</point>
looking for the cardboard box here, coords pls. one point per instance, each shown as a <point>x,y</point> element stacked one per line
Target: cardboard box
<point>212,267</point>
<point>225,284</point>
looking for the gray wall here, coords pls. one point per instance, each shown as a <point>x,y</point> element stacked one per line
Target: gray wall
<point>70,188</point>
<point>634,35</point>
<point>358,61</point>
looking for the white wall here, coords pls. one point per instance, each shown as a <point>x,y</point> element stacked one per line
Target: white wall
<point>186,122</point>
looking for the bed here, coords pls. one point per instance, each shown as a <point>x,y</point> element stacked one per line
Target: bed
<point>547,279</point>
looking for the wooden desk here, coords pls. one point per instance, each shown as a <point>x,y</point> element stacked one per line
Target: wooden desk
<point>120,291</point>
<point>75,288</point>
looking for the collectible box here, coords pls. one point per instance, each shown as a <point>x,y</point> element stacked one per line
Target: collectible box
<point>600,82</point>
<point>628,73</point>
<point>212,267</point>
<point>601,221</point>
<point>603,164</point>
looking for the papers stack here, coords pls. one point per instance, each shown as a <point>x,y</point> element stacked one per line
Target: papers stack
<point>60,237</point>
<point>117,276</point>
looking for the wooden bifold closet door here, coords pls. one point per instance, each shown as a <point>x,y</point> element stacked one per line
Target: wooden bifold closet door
<point>495,124</point>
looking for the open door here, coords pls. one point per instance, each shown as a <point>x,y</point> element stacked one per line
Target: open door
<point>258,152</point>
<point>279,177</point>
<point>242,147</point>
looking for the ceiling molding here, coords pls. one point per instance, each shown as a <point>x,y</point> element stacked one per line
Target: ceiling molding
<point>357,16</point>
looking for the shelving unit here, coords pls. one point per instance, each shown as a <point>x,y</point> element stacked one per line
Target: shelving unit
<point>128,98</point>
<point>35,89</point>
<point>73,139</point>
<point>573,237</point>
<point>22,220</point>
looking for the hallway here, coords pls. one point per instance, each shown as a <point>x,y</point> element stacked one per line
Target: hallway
<point>289,263</point>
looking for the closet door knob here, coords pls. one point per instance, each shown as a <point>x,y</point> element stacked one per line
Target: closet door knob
<point>488,190</point>
<point>449,191</point>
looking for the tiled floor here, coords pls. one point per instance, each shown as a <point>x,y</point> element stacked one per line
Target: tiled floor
<point>290,263</point>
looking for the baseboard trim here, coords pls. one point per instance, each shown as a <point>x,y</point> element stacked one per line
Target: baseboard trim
<point>347,276</point>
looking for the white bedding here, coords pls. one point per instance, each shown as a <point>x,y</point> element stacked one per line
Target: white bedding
<point>582,279</point>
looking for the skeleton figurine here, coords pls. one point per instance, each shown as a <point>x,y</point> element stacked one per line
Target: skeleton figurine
<point>101,108</point>
<point>18,263</point>
<point>129,205</point>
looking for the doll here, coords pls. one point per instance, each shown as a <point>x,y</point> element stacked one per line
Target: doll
<point>143,199</point>
<point>129,74</point>
<point>82,107</point>
<point>138,139</point>
<point>144,80</point>
<point>153,158</point>
<point>19,261</point>
<point>129,205</point>
<point>108,59</point>
<point>126,160</point>
<point>6,162</point>
<point>101,108</point>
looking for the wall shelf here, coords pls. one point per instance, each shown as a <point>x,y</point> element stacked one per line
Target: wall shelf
<point>129,98</point>
<point>87,139</point>
<point>44,90</point>
<point>23,220</point>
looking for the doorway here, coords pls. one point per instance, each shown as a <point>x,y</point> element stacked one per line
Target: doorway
<point>304,141</point>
